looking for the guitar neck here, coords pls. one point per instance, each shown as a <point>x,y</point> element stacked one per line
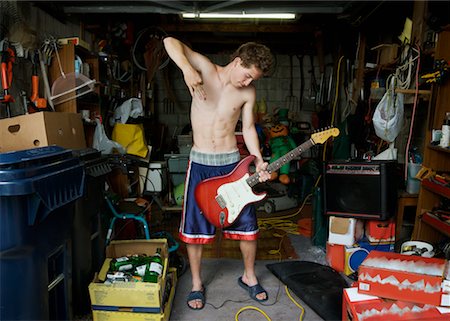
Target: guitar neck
<point>254,179</point>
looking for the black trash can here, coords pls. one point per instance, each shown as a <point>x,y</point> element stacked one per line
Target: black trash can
<point>38,188</point>
<point>89,228</point>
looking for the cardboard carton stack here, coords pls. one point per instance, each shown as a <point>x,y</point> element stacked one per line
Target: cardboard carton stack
<point>396,287</point>
<point>350,240</point>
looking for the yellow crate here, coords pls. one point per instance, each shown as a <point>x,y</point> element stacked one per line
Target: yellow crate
<point>130,294</point>
<point>99,315</point>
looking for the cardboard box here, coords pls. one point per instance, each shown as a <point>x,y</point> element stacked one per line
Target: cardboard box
<point>123,315</point>
<point>335,256</point>
<point>362,307</point>
<point>403,277</point>
<point>380,231</point>
<point>344,230</point>
<point>143,295</point>
<point>42,129</point>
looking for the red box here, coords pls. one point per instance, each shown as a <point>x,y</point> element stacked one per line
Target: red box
<point>404,277</point>
<point>361,307</point>
<point>336,256</point>
<point>380,231</point>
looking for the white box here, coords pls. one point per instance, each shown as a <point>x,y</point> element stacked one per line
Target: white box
<point>154,178</point>
<point>344,230</point>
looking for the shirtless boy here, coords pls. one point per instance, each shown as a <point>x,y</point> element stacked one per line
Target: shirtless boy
<point>220,96</point>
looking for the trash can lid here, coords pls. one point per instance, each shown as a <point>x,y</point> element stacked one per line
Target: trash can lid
<point>23,158</point>
<point>24,164</point>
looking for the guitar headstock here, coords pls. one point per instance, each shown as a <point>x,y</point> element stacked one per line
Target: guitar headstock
<point>322,136</point>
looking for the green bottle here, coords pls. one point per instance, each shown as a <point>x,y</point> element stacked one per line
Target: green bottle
<point>121,264</point>
<point>140,264</point>
<point>154,268</point>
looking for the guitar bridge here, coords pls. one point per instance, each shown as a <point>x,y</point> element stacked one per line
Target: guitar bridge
<point>221,201</point>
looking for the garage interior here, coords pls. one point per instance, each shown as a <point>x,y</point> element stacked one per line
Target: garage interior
<point>95,139</point>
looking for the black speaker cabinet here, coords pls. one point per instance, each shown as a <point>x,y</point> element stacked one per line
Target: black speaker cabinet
<point>366,190</point>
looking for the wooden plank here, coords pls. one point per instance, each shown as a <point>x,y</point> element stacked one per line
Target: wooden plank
<point>359,76</point>
<point>419,20</point>
<point>67,58</point>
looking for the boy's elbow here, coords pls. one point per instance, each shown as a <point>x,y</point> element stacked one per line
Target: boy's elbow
<point>167,40</point>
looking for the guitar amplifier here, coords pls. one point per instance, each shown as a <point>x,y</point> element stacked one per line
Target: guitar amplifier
<point>366,190</point>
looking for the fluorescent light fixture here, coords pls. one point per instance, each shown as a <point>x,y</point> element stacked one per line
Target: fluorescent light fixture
<point>242,15</point>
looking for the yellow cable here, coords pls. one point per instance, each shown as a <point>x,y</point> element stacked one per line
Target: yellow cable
<point>236,317</point>
<point>282,222</point>
<point>287,226</point>
<point>296,303</point>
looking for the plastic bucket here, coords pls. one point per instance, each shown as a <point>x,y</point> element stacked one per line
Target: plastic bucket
<point>412,183</point>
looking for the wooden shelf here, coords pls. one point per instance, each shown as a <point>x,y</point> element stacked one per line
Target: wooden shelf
<point>436,223</point>
<point>413,91</point>
<point>436,188</point>
<point>439,149</point>
<point>426,227</point>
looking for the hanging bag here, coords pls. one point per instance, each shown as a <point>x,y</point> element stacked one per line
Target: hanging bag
<point>388,116</point>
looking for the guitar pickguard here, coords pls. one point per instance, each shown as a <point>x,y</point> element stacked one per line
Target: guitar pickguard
<point>235,196</point>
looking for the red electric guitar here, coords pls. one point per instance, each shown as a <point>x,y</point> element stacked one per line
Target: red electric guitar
<point>222,198</point>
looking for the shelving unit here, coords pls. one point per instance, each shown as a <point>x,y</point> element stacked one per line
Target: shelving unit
<point>67,54</point>
<point>426,226</point>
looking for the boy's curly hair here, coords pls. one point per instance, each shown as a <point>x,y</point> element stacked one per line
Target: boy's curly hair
<point>255,54</point>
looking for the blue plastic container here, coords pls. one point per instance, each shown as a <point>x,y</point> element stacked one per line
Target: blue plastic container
<point>38,188</point>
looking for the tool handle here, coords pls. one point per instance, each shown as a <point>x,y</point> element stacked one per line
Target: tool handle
<point>5,82</point>
<point>34,88</point>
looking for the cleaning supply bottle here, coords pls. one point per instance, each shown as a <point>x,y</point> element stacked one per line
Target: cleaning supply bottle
<point>445,138</point>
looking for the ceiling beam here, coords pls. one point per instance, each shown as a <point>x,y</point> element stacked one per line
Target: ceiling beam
<point>122,9</point>
<point>221,5</point>
<point>172,4</point>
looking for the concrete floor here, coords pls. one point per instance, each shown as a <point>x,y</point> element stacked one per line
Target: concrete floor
<point>225,298</point>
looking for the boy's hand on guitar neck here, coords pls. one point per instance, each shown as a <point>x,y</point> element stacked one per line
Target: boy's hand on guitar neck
<point>261,169</point>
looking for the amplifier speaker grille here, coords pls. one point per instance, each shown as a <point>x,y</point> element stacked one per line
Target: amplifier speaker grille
<point>360,189</point>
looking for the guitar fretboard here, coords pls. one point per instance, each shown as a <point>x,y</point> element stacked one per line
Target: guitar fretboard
<point>254,179</point>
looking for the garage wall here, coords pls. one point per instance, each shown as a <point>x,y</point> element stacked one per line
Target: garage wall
<point>274,89</point>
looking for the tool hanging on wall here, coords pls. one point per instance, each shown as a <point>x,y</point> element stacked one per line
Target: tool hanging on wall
<point>148,51</point>
<point>313,85</point>
<point>36,103</point>
<point>291,100</point>
<point>7,60</point>
<point>302,81</point>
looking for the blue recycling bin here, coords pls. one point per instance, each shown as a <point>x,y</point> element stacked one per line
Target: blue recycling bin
<point>38,188</point>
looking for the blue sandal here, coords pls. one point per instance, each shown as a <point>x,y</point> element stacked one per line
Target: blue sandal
<point>254,290</point>
<point>196,295</point>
